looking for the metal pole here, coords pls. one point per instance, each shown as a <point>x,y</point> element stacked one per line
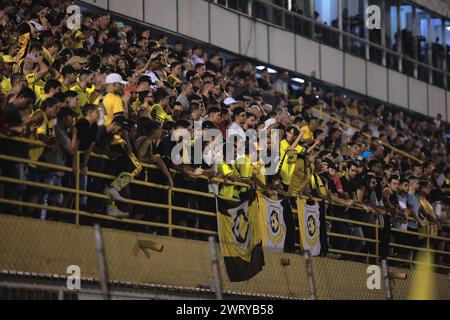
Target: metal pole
<point>102,263</point>
<point>77,187</point>
<point>377,238</point>
<point>170,213</point>
<point>215,268</point>
<point>399,38</point>
<point>340,24</point>
<point>444,44</point>
<point>387,280</point>
<point>310,273</point>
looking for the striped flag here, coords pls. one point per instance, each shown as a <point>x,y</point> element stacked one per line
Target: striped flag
<point>309,225</point>
<point>277,224</point>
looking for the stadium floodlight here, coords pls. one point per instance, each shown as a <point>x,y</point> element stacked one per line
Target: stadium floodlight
<point>299,80</point>
<point>270,70</point>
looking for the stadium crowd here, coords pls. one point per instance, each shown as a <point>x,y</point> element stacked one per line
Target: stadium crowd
<point>115,90</point>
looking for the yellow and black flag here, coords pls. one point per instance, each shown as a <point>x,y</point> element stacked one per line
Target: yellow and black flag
<point>277,224</point>
<point>309,222</point>
<point>240,238</point>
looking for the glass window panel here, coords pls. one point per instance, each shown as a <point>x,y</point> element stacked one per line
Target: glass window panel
<point>375,36</point>
<point>353,22</point>
<point>392,33</point>
<point>422,21</point>
<point>300,6</point>
<point>327,12</point>
<point>409,48</point>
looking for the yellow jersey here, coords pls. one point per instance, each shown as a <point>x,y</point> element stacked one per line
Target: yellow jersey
<point>113,105</point>
<point>5,85</point>
<point>158,113</point>
<point>84,96</point>
<point>288,161</point>
<point>47,129</point>
<point>227,170</point>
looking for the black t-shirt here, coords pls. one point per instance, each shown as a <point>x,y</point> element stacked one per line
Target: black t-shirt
<point>211,66</point>
<point>349,186</point>
<point>165,150</point>
<point>11,117</point>
<point>104,138</point>
<point>86,134</point>
<point>264,84</point>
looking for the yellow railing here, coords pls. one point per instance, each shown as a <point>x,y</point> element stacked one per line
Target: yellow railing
<point>172,209</point>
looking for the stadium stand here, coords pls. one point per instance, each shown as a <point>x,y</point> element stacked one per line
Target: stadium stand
<point>88,118</point>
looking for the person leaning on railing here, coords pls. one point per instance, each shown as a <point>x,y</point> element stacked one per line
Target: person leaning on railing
<point>87,131</point>
<point>51,153</point>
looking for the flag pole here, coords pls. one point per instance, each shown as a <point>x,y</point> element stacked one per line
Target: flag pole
<point>310,273</point>
<point>102,263</point>
<point>215,268</point>
<point>387,280</point>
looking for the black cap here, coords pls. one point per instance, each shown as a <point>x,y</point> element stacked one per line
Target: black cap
<point>64,112</point>
<point>333,166</point>
<point>68,70</point>
<point>208,125</point>
<point>121,121</point>
<point>146,79</point>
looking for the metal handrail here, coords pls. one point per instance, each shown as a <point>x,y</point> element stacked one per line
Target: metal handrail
<point>171,208</point>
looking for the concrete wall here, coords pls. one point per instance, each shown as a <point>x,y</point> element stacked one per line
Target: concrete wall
<point>28,245</point>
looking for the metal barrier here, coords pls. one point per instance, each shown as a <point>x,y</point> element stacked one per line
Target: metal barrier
<point>170,226</point>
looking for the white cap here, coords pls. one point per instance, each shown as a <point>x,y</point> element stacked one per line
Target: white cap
<point>269,123</point>
<point>115,78</point>
<point>230,101</point>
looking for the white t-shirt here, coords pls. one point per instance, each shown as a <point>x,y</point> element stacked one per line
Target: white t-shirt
<point>236,130</point>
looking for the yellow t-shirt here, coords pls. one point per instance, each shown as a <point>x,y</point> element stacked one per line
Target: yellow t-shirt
<point>244,168</point>
<point>5,85</point>
<point>113,105</point>
<point>227,170</point>
<point>41,99</point>
<point>288,160</point>
<point>318,185</point>
<point>159,114</point>
<point>84,96</point>
<point>36,85</point>
<point>47,129</point>
<point>48,56</point>
<point>299,177</point>
<point>260,171</point>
